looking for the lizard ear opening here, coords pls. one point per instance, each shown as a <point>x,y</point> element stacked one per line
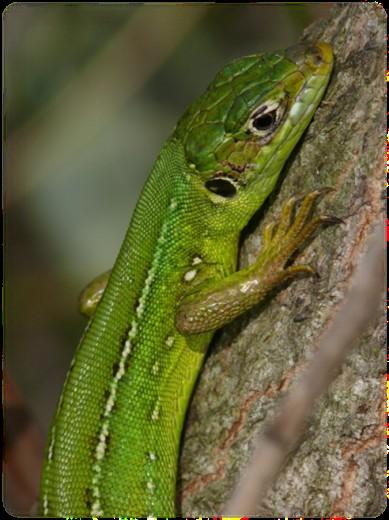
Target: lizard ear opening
<point>222,186</point>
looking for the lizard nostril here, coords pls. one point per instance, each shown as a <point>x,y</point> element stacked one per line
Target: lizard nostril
<point>316,56</point>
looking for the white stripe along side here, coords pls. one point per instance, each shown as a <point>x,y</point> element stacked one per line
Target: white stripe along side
<point>96,509</point>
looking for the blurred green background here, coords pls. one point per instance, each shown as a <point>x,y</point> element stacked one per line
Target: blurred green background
<point>91,92</point>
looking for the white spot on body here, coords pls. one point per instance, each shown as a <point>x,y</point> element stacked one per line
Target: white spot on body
<point>248,286</point>
<point>51,447</point>
<point>169,341</point>
<point>96,511</point>
<point>150,485</point>
<point>189,275</point>
<point>45,505</point>
<point>155,414</point>
<point>196,260</point>
<point>173,204</point>
<point>155,368</point>
<point>152,456</point>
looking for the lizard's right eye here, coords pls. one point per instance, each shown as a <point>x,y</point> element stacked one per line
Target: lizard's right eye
<point>265,121</point>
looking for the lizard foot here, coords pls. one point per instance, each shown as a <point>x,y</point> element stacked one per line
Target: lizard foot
<point>282,238</point>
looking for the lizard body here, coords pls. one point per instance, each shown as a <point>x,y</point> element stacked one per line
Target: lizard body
<point>114,443</point>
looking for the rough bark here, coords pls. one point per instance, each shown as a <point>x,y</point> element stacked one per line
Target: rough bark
<point>339,468</point>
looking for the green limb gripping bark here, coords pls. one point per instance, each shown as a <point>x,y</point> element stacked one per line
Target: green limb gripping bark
<point>217,303</point>
<point>113,446</point>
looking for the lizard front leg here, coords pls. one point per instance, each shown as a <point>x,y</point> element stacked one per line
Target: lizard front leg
<point>218,303</point>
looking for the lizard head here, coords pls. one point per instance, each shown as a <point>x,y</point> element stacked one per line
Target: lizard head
<point>239,133</point>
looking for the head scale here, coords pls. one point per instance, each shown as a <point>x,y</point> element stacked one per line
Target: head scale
<point>238,134</point>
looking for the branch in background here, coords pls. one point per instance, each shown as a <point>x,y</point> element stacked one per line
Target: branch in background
<point>281,436</point>
<point>88,103</point>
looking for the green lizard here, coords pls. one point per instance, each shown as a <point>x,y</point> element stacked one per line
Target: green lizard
<point>114,443</point>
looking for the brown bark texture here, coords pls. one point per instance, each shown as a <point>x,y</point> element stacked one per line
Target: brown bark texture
<point>339,467</point>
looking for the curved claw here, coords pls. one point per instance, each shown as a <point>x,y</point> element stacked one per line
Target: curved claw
<point>295,270</point>
<point>326,189</point>
<point>303,212</point>
<point>331,219</point>
<point>268,233</point>
<point>285,217</point>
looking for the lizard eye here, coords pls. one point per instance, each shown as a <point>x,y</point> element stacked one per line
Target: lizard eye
<point>265,119</point>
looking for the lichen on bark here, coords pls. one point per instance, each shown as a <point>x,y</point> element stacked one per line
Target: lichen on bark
<point>339,467</point>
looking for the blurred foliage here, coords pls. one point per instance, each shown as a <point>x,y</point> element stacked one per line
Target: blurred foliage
<point>91,92</point>
<point>47,45</point>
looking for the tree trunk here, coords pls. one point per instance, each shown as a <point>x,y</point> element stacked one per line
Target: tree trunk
<point>339,468</point>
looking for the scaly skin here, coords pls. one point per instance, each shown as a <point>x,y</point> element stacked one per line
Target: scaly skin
<point>114,442</point>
